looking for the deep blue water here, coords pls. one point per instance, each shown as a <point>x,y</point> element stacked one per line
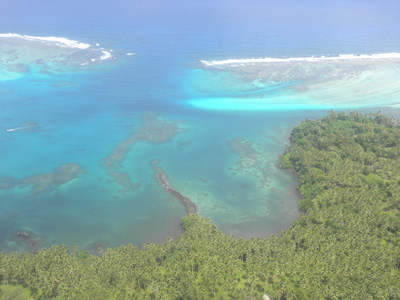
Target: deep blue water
<point>80,117</point>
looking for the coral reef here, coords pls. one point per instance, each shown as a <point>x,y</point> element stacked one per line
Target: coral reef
<point>154,130</point>
<point>251,160</point>
<point>27,240</point>
<point>48,182</point>
<point>7,182</point>
<point>189,205</point>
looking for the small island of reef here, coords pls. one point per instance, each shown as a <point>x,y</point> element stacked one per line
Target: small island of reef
<point>344,245</point>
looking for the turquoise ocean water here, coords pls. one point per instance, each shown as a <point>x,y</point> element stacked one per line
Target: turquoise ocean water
<point>68,169</point>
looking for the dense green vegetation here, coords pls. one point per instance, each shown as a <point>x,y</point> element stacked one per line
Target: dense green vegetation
<point>345,244</point>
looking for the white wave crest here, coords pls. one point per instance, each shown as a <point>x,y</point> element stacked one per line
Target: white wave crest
<point>343,57</point>
<point>47,54</point>
<point>106,55</point>
<point>57,41</point>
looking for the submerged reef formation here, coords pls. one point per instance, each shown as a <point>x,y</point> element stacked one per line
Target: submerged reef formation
<point>51,181</point>
<point>44,182</point>
<point>251,160</point>
<point>154,130</point>
<point>27,240</point>
<point>262,182</point>
<point>189,205</point>
<point>97,247</point>
<point>37,185</point>
<point>7,182</point>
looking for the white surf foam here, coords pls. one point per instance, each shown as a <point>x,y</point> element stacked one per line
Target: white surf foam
<point>343,57</point>
<point>57,41</point>
<point>68,52</point>
<point>106,55</point>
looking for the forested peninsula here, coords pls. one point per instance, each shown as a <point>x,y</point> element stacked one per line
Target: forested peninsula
<point>344,245</point>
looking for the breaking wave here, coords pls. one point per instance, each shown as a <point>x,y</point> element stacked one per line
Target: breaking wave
<point>342,57</point>
<point>24,54</point>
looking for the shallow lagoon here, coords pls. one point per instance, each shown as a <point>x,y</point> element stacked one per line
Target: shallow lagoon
<point>229,169</point>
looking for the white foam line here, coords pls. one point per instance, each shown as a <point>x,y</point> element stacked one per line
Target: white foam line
<point>58,41</point>
<point>106,55</point>
<point>130,54</point>
<point>245,61</point>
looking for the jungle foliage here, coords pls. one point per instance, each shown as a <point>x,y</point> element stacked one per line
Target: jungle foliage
<point>345,244</point>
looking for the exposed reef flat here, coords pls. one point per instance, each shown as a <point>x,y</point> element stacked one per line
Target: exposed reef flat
<point>24,54</point>
<point>161,177</point>
<point>344,81</point>
<point>154,130</point>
